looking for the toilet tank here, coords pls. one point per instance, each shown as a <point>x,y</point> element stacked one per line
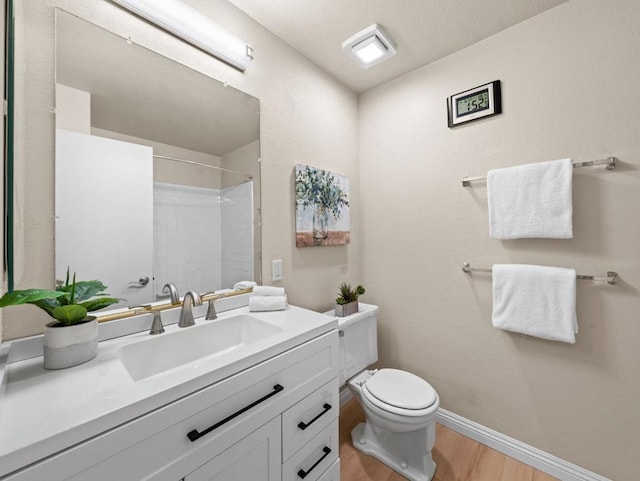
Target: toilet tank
<point>358,340</point>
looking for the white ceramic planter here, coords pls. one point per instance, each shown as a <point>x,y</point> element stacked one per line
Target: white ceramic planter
<point>67,346</point>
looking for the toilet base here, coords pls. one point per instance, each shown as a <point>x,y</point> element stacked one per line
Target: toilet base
<point>406,458</point>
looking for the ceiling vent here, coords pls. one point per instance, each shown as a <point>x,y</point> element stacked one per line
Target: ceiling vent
<point>369,46</point>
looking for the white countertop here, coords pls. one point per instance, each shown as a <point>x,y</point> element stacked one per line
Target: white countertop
<point>43,412</point>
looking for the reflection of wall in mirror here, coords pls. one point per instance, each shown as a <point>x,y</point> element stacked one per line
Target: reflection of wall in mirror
<point>190,211</point>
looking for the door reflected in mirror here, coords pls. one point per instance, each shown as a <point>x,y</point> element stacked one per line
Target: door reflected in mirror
<point>157,170</point>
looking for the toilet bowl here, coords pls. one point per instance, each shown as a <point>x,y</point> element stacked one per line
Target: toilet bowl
<point>400,408</point>
<point>401,437</point>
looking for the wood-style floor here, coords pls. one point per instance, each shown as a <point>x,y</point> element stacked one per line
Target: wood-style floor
<point>457,458</point>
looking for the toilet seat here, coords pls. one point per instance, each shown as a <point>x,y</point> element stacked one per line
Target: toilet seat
<point>400,392</point>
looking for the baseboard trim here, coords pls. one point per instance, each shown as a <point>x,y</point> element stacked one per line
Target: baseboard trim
<point>548,463</point>
<point>345,395</point>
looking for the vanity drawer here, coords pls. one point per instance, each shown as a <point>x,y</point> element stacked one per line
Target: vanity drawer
<point>313,459</point>
<point>308,417</point>
<point>156,446</point>
<point>333,473</point>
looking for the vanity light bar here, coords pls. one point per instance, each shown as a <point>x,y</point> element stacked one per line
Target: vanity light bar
<point>195,28</point>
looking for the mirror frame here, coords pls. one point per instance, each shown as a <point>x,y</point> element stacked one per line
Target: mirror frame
<point>8,143</point>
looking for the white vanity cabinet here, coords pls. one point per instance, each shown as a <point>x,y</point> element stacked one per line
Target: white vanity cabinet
<point>255,458</point>
<point>276,420</point>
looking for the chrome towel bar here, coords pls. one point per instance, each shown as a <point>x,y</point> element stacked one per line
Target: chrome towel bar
<point>610,163</point>
<point>611,277</point>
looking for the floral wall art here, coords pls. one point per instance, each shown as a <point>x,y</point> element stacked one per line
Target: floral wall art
<point>322,207</point>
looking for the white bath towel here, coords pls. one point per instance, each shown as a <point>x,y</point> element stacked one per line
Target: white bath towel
<point>531,200</point>
<point>535,300</point>
<point>267,303</point>
<point>268,291</point>
<point>244,285</point>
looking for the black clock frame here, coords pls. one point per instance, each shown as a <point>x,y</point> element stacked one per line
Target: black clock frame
<point>495,106</point>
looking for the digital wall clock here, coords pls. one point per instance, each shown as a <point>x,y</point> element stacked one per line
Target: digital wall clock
<point>474,104</point>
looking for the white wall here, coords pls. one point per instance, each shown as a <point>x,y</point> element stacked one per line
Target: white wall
<point>246,159</point>
<point>236,208</point>
<point>306,116</point>
<point>570,89</point>
<point>187,238</point>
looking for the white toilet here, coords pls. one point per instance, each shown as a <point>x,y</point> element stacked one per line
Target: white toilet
<point>400,407</point>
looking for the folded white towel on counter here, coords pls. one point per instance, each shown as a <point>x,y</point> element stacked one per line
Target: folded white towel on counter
<point>267,303</point>
<point>223,291</point>
<point>531,200</point>
<point>268,291</point>
<point>535,300</point>
<point>244,285</point>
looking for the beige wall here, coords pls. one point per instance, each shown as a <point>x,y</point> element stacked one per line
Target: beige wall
<point>570,89</point>
<point>306,117</point>
<point>73,109</point>
<point>170,171</point>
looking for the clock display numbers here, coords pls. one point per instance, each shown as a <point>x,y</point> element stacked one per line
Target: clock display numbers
<point>472,103</point>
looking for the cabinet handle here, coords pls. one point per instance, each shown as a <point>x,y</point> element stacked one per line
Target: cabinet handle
<point>302,474</point>
<point>302,425</point>
<point>195,434</point>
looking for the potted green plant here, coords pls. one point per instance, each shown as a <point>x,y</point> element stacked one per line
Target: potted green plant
<point>347,301</point>
<point>319,188</point>
<point>72,338</point>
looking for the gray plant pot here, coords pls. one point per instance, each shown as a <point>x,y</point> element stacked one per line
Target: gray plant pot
<point>343,310</point>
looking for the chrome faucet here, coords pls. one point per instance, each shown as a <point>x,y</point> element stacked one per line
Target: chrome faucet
<point>173,291</point>
<point>190,299</point>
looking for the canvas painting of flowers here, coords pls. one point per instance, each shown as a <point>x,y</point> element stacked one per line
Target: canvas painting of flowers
<point>322,207</point>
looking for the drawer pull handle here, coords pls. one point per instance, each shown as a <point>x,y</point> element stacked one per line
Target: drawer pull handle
<point>195,434</point>
<point>302,425</point>
<point>303,474</point>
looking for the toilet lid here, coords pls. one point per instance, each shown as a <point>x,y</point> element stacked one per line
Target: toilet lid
<point>401,389</point>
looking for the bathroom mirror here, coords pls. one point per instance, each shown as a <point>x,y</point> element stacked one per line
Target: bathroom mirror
<point>157,170</point>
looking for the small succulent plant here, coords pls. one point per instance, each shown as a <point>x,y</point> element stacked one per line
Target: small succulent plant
<point>348,294</point>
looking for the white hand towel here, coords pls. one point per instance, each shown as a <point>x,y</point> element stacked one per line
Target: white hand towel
<point>244,285</point>
<point>268,291</point>
<point>531,200</point>
<point>267,303</point>
<point>535,300</point>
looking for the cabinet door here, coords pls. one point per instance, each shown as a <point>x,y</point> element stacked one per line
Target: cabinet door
<point>256,458</point>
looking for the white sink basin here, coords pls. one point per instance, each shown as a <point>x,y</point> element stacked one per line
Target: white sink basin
<point>209,338</point>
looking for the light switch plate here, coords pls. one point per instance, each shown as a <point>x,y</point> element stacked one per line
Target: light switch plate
<point>276,270</point>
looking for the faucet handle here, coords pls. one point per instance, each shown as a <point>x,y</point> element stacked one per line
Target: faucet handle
<point>156,325</point>
<point>211,311</point>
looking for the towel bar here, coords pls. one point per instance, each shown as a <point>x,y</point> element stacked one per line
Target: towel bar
<point>611,278</point>
<point>610,163</point>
